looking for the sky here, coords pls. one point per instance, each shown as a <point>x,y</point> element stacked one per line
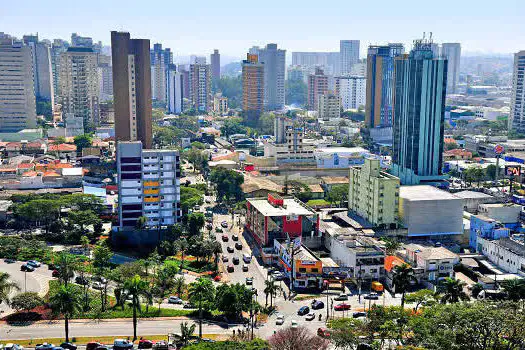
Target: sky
<point>233,26</point>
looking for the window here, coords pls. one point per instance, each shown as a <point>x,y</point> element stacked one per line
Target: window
<point>302,270</point>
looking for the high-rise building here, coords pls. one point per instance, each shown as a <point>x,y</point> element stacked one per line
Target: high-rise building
<point>329,106</point>
<point>79,85</point>
<point>57,48</point>
<point>215,60</point>
<point>81,41</point>
<point>317,85</point>
<point>17,94</point>
<point>328,61</point>
<point>274,72</point>
<point>131,88</point>
<point>452,52</point>
<point>352,91</point>
<point>517,109</point>
<point>373,194</point>
<point>348,55</point>
<point>280,125</point>
<point>296,73</point>
<point>158,80</point>
<point>174,90</point>
<point>42,71</point>
<point>105,78</point>
<point>200,87</point>
<point>379,84</point>
<point>158,53</point>
<point>420,84</point>
<point>252,89</point>
<point>149,186</point>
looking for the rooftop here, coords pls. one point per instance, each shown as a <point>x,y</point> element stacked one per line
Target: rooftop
<point>335,180</point>
<point>472,195</point>
<point>291,206</point>
<point>431,253</point>
<point>424,193</point>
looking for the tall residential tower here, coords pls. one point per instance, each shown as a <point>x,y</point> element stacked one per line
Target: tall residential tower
<point>215,60</point>
<point>274,71</point>
<point>517,111</point>
<point>252,89</point>
<point>348,55</point>
<point>452,52</point>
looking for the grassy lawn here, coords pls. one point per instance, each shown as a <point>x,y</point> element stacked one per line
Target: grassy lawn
<point>193,265</point>
<point>117,312</point>
<point>317,202</point>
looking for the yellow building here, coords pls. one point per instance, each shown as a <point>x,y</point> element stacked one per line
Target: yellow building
<point>374,194</point>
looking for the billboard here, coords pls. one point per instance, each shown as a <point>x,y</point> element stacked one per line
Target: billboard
<point>512,170</point>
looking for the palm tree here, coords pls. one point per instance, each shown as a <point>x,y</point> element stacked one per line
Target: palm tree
<point>216,250</point>
<point>403,278</point>
<point>67,302</point>
<point>182,247</point>
<point>452,290</point>
<point>270,289</point>
<point>135,287</point>
<point>6,287</point>
<point>186,331</point>
<point>514,288</point>
<point>66,265</point>
<point>201,292</point>
<point>180,284</point>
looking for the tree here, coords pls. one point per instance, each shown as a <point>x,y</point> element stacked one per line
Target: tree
<point>232,126</point>
<point>422,297</point>
<point>338,194</point>
<point>231,87</point>
<point>296,91</point>
<point>6,287</point>
<point>232,299</point>
<point>514,288</point>
<point>228,184</point>
<point>102,262</point>
<point>83,141</point>
<point>141,223</point>
<point>179,285</point>
<point>182,246</point>
<point>66,265</point>
<point>265,124</point>
<point>476,289</point>
<point>82,218</point>
<point>297,338</point>
<point>186,332</point>
<point>135,287</point>
<point>26,301</point>
<point>196,222</point>
<point>391,246</point>
<point>189,197</point>
<point>66,302</point>
<point>270,289</point>
<point>345,332</point>
<point>452,291</point>
<point>403,277</point>
<point>490,172</point>
<point>300,190</point>
<point>202,294</point>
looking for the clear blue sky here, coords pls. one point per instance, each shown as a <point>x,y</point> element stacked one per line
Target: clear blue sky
<point>232,26</point>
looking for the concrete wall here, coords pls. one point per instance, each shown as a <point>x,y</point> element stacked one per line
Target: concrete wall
<point>432,217</point>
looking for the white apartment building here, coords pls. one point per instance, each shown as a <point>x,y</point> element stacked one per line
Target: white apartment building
<point>105,80</point>
<point>452,52</point>
<point>158,81</point>
<point>293,150</point>
<point>329,107</point>
<point>352,91</point>
<point>79,85</point>
<point>348,55</point>
<point>149,186</point>
<point>174,91</point>
<point>17,94</point>
<point>517,99</point>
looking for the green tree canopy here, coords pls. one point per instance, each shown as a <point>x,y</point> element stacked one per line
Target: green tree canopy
<point>26,301</point>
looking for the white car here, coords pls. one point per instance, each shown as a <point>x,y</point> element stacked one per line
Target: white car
<point>310,316</point>
<point>174,300</point>
<point>279,320</point>
<point>98,285</point>
<point>34,263</point>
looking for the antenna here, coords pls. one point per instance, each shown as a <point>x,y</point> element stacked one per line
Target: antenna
<point>424,36</point>
<point>430,37</point>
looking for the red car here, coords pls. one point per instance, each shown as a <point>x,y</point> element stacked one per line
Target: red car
<point>217,278</point>
<point>225,238</point>
<point>342,306</point>
<point>145,344</point>
<point>55,273</point>
<point>323,332</point>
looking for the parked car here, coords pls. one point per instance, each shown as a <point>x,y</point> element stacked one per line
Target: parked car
<point>11,346</point>
<point>294,324</point>
<point>341,297</point>
<point>209,226</point>
<point>323,332</point>
<point>55,273</point>
<point>235,237</point>
<point>10,261</point>
<point>219,230</point>
<point>224,258</point>
<point>99,279</point>
<point>235,260</point>
<point>174,300</point>
<point>249,281</point>
<point>247,258</point>
<point>310,316</point>
<point>278,276</point>
<point>359,314</point>
<point>68,346</point>
<point>93,345</point>
<point>279,320</point>
<point>342,307</point>
<point>225,238</point>
<point>34,263</point>
<point>27,268</point>
<point>98,285</point>
<point>103,347</point>
<point>238,246</point>
<point>317,304</point>
<point>371,296</point>
<point>304,310</point>
<point>224,224</point>
<point>57,348</point>
<point>229,249</point>
<point>189,306</point>
<point>230,268</point>
<point>145,344</point>
<point>122,344</point>
<point>244,268</point>
<point>44,346</point>
<point>197,208</point>
<point>81,280</point>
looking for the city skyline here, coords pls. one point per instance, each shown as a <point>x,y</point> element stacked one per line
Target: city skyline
<point>219,24</point>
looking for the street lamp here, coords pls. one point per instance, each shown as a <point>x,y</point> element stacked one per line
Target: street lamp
<point>252,314</point>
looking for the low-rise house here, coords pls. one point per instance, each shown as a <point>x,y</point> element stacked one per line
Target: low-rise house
<point>33,148</point>
<point>506,213</point>
<point>506,253</point>
<point>437,262</point>
<point>472,200</point>
<point>328,182</point>
<point>63,151</point>
<point>303,266</point>
<point>317,191</point>
<point>456,154</point>
<point>485,227</point>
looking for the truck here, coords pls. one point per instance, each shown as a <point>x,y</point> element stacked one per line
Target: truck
<point>377,286</point>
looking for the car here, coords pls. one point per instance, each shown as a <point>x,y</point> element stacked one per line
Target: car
<point>122,344</point>
<point>342,307</point>
<point>230,268</point>
<point>359,314</point>
<point>103,347</point>
<point>27,268</point>
<point>317,304</point>
<point>34,263</point>
<point>224,224</point>
<point>145,344</point>
<point>9,261</point>
<point>44,346</point>
<point>341,297</point>
<point>174,300</point>
<point>235,260</point>
<point>371,296</point>
<point>196,207</point>
<point>11,346</point>
<point>68,346</point>
<point>189,306</point>
<point>57,348</point>
<point>217,278</point>
<point>81,280</point>
<point>235,237</point>
<point>207,200</point>
<point>209,227</point>
<point>249,281</point>
<point>294,324</point>
<point>93,345</point>
<point>279,320</point>
<point>224,258</point>
<point>310,316</point>
<point>323,332</point>
<point>219,230</point>
<point>98,285</point>
<point>55,273</point>
<point>247,258</point>
<point>229,249</point>
<point>99,279</point>
<point>209,218</point>
<point>238,246</point>
<point>225,238</point>
<point>277,276</point>
<point>304,310</point>
<point>244,268</point>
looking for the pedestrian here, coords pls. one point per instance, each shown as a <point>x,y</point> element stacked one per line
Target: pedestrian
<point>234,332</point>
